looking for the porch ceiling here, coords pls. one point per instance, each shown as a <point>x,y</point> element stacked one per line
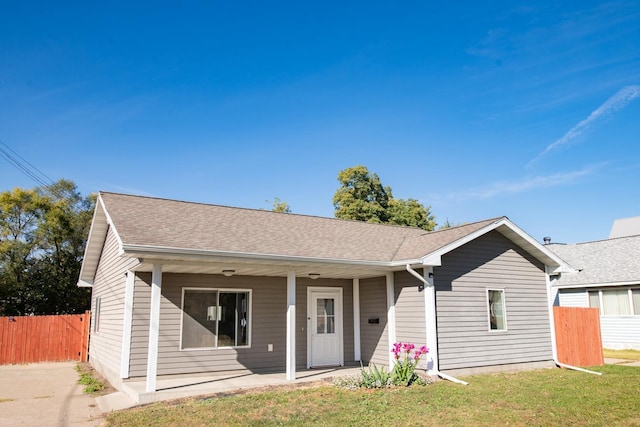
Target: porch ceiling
<point>244,267</point>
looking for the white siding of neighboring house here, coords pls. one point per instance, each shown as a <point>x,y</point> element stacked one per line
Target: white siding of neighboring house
<point>620,332</point>
<point>573,298</point>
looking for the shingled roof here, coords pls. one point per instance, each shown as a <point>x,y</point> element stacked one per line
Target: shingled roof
<point>171,231</point>
<point>610,261</point>
<point>161,223</point>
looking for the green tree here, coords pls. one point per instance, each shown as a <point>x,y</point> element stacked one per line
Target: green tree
<point>43,234</point>
<point>362,197</point>
<point>280,206</point>
<point>411,213</point>
<point>448,224</point>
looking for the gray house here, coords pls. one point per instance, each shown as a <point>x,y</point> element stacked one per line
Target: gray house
<point>608,278</point>
<point>185,288</point>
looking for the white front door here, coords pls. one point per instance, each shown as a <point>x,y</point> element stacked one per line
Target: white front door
<point>324,320</point>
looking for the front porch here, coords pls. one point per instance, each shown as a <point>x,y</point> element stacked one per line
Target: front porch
<point>182,386</point>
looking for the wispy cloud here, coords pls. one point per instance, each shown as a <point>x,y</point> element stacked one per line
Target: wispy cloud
<point>617,102</point>
<point>527,184</point>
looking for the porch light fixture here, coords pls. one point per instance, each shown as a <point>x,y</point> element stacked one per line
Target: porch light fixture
<point>228,272</point>
<point>314,276</point>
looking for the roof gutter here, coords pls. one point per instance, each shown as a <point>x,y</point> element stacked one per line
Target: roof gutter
<point>141,251</point>
<point>430,313</point>
<point>552,325</point>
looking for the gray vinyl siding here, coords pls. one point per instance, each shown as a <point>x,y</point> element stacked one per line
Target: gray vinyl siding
<point>410,313</point>
<point>374,342</point>
<point>267,325</point>
<point>105,345</point>
<point>491,262</point>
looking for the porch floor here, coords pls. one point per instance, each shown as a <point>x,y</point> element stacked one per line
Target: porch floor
<point>176,387</point>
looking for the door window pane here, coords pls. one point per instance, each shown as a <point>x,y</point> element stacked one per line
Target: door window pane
<point>325,316</point>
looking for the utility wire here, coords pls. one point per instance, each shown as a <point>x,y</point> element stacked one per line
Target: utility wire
<point>25,167</point>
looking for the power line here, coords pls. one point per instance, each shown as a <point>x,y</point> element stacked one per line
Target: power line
<point>24,166</point>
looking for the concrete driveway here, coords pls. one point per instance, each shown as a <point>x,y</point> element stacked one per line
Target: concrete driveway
<point>45,394</point>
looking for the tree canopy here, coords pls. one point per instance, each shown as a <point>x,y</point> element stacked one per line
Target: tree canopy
<point>362,197</point>
<point>280,206</point>
<point>43,233</point>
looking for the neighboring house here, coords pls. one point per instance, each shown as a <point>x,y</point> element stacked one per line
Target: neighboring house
<point>608,278</point>
<point>183,288</point>
<point>625,227</point>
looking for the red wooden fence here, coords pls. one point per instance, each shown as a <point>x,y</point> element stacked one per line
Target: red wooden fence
<point>578,336</point>
<point>29,339</point>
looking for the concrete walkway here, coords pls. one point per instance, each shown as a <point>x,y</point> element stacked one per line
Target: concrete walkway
<point>45,394</point>
<point>176,387</point>
<point>625,362</point>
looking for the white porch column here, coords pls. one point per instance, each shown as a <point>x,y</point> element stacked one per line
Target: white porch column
<point>291,325</point>
<point>391,317</point>
<point>127,324</point>
<point>356,320</point>
<point>430,318</point>
<point>154,327</point>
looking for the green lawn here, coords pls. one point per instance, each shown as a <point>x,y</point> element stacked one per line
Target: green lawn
<point>533,398</point>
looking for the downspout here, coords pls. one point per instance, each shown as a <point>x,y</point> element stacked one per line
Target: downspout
<point>552,324</point>
<point>434,350</point>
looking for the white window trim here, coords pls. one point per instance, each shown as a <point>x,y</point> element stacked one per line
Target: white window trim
<point>504,302</point>
<point>249,313</point>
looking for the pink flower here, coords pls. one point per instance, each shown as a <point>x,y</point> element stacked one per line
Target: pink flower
<point>424,349</point>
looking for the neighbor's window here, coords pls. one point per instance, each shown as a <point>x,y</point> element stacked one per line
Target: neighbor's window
<point>497,312</point>
<point>635,296</point>
<point>594,299</point>
<point>213,318</point>
<point>616,302</point>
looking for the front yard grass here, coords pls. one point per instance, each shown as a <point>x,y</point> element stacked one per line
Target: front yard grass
<point>532,398</point>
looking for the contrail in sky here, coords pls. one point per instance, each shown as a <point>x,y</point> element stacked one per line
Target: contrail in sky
<point>617,102</point>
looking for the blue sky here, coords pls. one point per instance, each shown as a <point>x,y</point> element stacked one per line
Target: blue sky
<point>529,110</point>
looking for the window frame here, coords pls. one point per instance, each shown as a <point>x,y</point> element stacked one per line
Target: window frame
<point>96,314</point>
<point>218,291</point>
<point>504,309</point>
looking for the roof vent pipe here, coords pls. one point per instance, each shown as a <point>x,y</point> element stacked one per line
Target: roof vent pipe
<point>547,240</point>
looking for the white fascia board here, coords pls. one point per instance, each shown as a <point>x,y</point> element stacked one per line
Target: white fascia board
<point>598,285</point>
<point>561,267</point>
<point>112,225</point>
<point>85,283</point>
<point>140,251</point>
<point>435,257</point>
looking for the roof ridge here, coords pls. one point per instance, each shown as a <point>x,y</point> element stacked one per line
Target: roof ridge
<point>406,227</point>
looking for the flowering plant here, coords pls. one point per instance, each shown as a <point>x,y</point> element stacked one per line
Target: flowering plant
<point>403,372</point>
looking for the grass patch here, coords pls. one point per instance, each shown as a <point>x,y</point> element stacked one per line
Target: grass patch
<point>92,385</point>
<point>622,354</point>
<point>542,397</point>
